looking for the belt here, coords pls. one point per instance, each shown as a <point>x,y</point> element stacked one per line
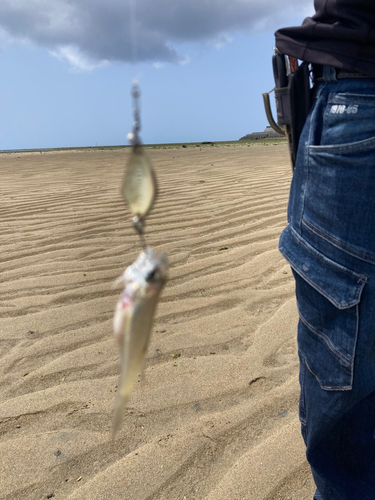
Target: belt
<point>340,73</point>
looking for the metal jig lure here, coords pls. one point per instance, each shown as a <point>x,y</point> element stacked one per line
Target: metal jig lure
<point>139,188</point>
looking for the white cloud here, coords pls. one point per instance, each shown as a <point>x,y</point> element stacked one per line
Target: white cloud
<point>222,40</point>
<point>78,62</point>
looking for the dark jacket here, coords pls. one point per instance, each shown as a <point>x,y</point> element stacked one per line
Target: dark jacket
<point>340,34</point>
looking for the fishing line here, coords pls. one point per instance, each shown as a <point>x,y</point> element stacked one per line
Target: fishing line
<point>139,187</point>
<point>133,30</point>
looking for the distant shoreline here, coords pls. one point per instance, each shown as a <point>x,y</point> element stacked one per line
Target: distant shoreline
<point>147,146</point>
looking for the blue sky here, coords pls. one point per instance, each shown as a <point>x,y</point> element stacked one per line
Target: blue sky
<point>66,81</point>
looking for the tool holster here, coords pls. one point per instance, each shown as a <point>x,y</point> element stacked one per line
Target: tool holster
<point>293,96</point>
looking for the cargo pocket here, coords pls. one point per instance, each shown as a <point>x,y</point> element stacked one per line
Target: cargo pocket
<point>328,297</point>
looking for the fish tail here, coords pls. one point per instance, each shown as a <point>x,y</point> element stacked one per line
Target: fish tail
<point>118,415</point>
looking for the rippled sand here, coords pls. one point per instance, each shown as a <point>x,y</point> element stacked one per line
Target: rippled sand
<point>216,416</point>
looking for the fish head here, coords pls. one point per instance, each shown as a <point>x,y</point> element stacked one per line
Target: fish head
<point>149,272</point>
<point>144,280</point>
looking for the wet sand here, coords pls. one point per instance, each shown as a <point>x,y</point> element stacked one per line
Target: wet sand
<point>216,417</point>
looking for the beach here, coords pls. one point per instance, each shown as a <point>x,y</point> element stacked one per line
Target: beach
<point>215,416</point>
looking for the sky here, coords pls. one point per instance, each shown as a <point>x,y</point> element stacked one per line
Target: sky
<point>202,66</point>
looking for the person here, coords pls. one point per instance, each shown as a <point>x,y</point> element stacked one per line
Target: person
<point>330,244</point>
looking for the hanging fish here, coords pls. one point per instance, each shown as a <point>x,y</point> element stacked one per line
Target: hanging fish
<point>144,279</point>
<point>132,323</point>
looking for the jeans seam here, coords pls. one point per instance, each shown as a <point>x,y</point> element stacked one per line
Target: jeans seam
<point>354,344</point>
<point>342,98</point>
<point>326,113</point>
<point>306,159</point>
<point>301,419</point>
<point>350,147</point>
<point>335,242</point>
<point>326,339</point>
<point>306,162</point>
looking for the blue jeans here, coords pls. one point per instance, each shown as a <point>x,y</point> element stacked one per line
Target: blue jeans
<point>330,245</point>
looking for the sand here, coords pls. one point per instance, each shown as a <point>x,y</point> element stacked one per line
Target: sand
<point>216,416</point>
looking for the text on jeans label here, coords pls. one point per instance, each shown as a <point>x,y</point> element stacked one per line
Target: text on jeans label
<point>339,109</point>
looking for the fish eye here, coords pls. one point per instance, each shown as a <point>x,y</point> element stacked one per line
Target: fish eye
<point>153,275</point>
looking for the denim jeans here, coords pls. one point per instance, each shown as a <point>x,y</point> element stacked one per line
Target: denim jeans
<point>330,245</point>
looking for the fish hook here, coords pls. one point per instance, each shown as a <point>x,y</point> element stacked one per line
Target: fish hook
<point>139,226</point>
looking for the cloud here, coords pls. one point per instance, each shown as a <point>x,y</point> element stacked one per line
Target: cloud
<point>78,61</point>
<point>222,40</point>
<point>88,34</point>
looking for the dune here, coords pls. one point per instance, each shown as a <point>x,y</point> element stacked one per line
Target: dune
<point>216,415</point>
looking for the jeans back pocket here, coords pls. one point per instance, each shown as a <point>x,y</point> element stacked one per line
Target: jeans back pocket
<point>328,297</point>
<point>338,200</point>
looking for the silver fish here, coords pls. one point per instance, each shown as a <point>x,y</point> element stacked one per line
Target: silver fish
<point>132,321</point>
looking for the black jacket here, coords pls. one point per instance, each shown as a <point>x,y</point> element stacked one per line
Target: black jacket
<point>340,34</point>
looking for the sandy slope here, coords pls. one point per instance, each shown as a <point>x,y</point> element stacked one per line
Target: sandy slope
<point>217,422</point>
